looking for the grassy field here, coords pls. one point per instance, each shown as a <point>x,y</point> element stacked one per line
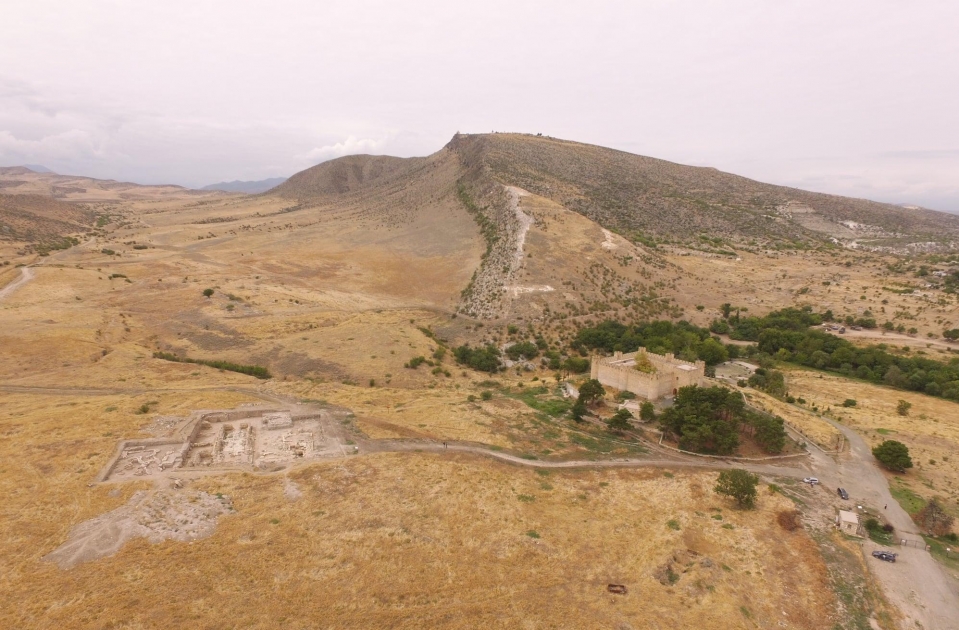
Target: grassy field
<point>931,431</point>
<point>818,430</point>
<point>407,540</point>
<point>333,298</point>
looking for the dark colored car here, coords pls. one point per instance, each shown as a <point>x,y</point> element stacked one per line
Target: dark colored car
<point>888,556</point>
<point>843,494</point>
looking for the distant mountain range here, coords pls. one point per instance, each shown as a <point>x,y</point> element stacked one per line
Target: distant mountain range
<point>37,168</point>
<point>251,188</point>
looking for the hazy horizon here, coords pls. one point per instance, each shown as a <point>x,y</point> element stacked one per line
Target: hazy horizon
<point>855,100</point>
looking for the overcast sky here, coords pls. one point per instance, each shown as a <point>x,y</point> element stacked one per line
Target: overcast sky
<point>856,97</point>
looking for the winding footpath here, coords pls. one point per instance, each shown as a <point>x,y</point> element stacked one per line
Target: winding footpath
<point>26,275</point>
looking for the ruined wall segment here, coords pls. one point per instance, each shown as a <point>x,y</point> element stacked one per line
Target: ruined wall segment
<point>661,375</point>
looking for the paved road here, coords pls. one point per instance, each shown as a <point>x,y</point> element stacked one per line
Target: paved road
<point>26,275</point>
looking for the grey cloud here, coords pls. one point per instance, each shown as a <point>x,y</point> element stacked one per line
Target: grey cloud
<point>856,97</point>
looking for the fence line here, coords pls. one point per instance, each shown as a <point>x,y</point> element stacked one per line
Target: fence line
<point>744,459</point>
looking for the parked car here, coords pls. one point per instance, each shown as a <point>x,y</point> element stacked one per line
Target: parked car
<point>843,494</point>
<point>811,481</point>
<point>888,556</point>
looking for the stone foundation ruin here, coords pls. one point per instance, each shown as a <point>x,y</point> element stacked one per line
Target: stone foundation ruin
<point>253,438</point>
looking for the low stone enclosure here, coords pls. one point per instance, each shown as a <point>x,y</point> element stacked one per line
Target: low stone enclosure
<point>646,374</point>
<point>250,438</point>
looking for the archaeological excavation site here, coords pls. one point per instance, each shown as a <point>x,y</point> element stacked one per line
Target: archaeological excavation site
<point>253,438</point>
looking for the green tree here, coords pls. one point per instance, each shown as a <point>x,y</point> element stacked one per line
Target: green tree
<point>893,455</point>
<point>620,421</point>
<point>647,412</point>
<point>524,349</point>
<point>726,308</point>
<point>481,359</point>
<point>591,391</point>
<point>578,410</point>
<point>769,433</point>
<point>577,365</point>
<point>740,485</point>
<point>903,407</point>
<point>951,334</point>
<point>719,326</point>
<point>713,352</point>
<point>207,292</point>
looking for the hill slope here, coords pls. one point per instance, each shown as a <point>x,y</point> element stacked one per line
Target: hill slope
<point>584,204</point>
<point>20,180</point>
<point>638,195</point>
<point>41,220</point>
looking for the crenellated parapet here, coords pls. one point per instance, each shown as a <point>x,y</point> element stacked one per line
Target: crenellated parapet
<point>647,374</point>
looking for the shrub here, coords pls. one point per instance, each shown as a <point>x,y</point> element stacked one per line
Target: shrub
<point>739,485</point>
<point>789,520</point>
<point>207,292</point>
<point>849,402</point>
<point>486,395</point>
<point>415,362</point>
<point>903,407</point>
<point>933,519</point>
<point>250,370</point>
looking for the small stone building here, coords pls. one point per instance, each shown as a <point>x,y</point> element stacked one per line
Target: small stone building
<point>848,523</point>
<point>646,374</point>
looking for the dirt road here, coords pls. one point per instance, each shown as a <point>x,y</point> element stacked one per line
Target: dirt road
<point>915,584</point>
<point>26,275</point>
<point>881,336</point>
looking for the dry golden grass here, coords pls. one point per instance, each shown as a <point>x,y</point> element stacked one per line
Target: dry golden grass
<point>931,430</point>
<point>330,298</point>
<point>819,431</point>
<point>412,540</point>
<point>762,283</point>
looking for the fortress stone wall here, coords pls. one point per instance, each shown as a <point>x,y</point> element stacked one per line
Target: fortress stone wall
<point>667,373</point>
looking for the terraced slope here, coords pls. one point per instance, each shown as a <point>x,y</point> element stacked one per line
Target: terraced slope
<point>643,196</point>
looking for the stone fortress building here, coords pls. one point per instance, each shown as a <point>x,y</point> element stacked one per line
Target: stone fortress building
<point>648,375</point>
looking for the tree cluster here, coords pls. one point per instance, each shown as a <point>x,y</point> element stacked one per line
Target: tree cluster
<point>685,340</point>
<point>485,359</point>
<point>787,336</point>
<point>710,420</point>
